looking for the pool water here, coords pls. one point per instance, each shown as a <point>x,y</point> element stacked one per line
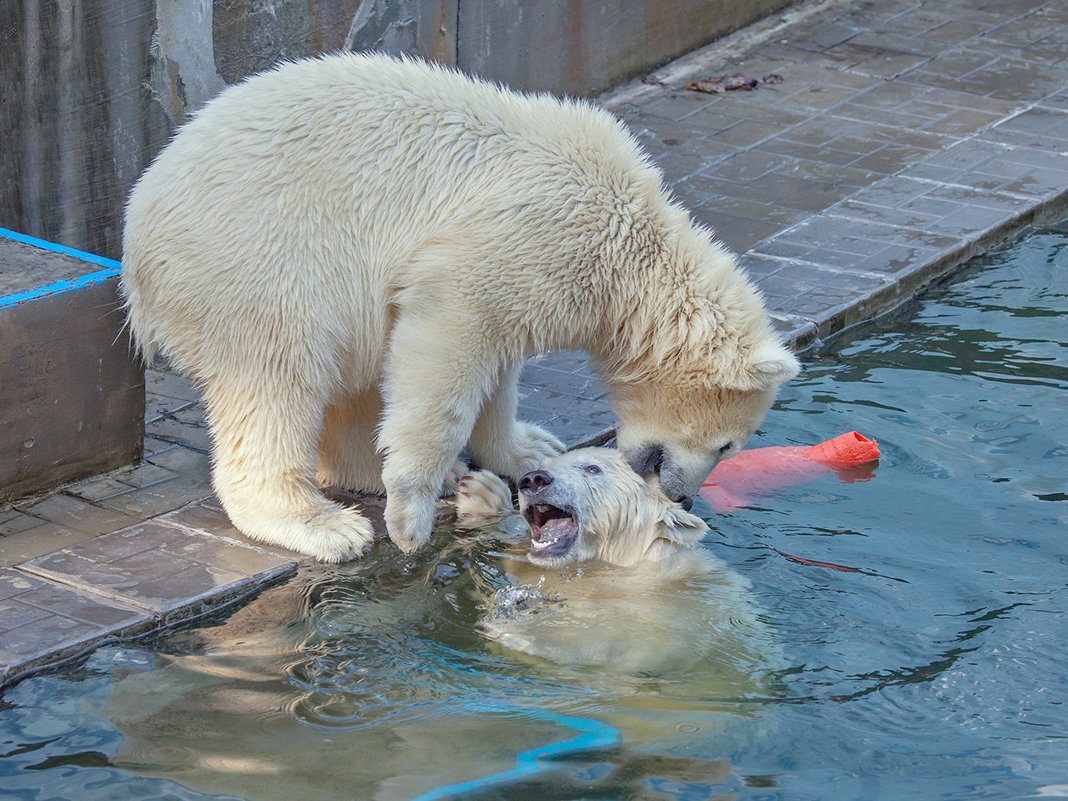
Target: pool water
<point>897,635</point>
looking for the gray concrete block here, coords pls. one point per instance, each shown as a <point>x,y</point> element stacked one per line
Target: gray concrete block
<point>72,393</point>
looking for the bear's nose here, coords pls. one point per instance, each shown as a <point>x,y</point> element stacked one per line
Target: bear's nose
<point>535,480</point>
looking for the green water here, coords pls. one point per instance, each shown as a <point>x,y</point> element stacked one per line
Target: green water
<point>897,637</point>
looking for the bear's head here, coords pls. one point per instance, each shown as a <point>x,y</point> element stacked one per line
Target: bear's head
<point>678,433</point>
<point>694,366</point>
<point>589,504</point>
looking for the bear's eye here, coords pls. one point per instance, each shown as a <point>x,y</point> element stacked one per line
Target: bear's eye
<point>593,470</point>
<point>726,448</point>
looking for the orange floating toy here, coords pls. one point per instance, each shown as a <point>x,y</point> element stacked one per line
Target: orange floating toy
<point>762,471</point>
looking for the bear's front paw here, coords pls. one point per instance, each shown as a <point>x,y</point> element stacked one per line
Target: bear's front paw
<point>331,534</point>
<point>409,523</point>
<point>530,446</point>
<point>482,497</point>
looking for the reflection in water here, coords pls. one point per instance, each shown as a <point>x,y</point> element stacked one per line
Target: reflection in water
<point>919,615</point>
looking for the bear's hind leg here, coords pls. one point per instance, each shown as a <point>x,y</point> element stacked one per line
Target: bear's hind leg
<point>348,456</point>
<point>265,453</point>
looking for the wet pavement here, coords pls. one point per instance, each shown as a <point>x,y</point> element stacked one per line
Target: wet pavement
<point>904,138</point>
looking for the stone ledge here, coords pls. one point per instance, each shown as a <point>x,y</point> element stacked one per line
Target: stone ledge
<point>155,574</point>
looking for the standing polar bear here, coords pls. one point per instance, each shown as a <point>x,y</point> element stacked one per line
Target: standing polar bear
<point>353,255</point>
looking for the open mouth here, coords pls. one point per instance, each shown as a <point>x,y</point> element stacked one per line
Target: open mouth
<point>553,531</point>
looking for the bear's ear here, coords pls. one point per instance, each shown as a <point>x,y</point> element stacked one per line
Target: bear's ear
<point>769,365</point>
<point>682,528</point>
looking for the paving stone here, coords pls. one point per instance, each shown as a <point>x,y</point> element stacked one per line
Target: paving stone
<point>12,521</point>
<point>829,74</point>
<point>954,32</point>
<point>752,210</point>
<point>579,422</point>
<point>819,97</point>
<point>830,174</point>
<point>962,121</point>
<point>971,221</point>
<point>159,498</point>
<point>747,165</point>
<point>815,153</point>
<point>208,517</point>
<point>1021,31</point>
<point>893,191</point>
<point>42,623</point>
<point>1040,184</point>
<point>746,133</point>
<point>1014,80</point>
<point>104,486</point>
<point>978,197</point>
<point>888,117</point>
<point>159,406</point>
<point>170,385</point>
<point>817,37</point>
<point>148,536</point>
<point>825,254</point>
<point>1059,101</point>
<point>968,154</point>
<point>709,121</point>
<point>890,159</point>
<point>541,377</point>
<point>41,539</point>
<point>1038,120</point>
<point>856,209</point>
<point>796,331</point>
<point>185,425</point>
<point>178,575</point>
<point>876,61</point>
<point>677,105</point>
<point>67,511</point>
<point>759,266</point>
<point>146,474</point>
<point>759,110</point>
<point>737,233</point>
<point>947,175</point>
<point>183,460</point>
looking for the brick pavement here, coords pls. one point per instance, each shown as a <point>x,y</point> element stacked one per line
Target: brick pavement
<point>904,138</point>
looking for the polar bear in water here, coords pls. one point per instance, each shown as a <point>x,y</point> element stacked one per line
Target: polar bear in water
<point>614,577</point>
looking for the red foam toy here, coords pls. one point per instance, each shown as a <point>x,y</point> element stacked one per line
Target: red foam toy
<point>763,471</point>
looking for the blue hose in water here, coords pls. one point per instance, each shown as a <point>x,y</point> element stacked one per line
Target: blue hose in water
<point>593,736</point>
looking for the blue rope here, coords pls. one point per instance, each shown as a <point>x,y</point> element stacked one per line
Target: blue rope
<point>111,268</point>
<point>593,735</point>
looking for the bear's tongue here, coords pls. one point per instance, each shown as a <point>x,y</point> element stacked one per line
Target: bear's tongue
<point>553,529</point>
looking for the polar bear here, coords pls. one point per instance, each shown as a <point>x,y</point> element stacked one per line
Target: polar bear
<point>583,505</point>
<point>352,256</point>
<point>588,504</point>
<point>614,577</point>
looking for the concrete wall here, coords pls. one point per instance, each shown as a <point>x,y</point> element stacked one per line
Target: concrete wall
<point>92,89</point>
<point>582,47</point>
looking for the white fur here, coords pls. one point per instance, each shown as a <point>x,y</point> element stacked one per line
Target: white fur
<point>353,255</point>
<point>634,594</point>
<point>622,519</point>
